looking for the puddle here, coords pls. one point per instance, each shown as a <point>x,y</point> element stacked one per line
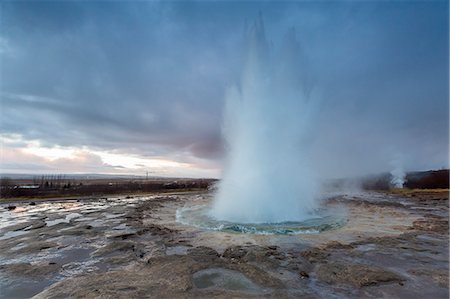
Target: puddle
<point>111,216</point>
<point>120,233</point>
<point>72,255</point>
<point>63,220</point>
<point>73,261</point>
<point>26,289</point>
<point>221,278</point>
<point>366,247</point>
<point>12,234</point>
<point>177,250</point>
<point>122,226</point>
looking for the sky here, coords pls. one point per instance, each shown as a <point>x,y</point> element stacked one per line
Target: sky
<point>127,87</point>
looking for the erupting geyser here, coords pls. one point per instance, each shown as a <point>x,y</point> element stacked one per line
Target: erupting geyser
<point>268,125</point>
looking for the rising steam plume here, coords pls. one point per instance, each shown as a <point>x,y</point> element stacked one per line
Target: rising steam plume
<point>267,126</point>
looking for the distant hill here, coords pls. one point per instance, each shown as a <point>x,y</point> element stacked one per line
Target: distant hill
<point>433,179</point>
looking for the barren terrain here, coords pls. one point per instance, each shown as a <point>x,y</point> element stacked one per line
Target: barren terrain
<point>394,245</point>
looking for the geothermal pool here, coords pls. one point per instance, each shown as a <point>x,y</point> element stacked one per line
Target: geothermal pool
<point>319,221</point>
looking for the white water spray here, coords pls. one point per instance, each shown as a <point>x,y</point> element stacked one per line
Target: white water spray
<point>268,125</point>
<point>398,175</point>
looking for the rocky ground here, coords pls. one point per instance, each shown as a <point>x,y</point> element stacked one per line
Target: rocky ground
<point>392,246</point>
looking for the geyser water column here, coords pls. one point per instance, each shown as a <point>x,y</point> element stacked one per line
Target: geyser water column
<point>267,126</point>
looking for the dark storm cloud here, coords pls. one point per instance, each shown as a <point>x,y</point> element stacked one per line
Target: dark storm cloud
<point>150,77</point>
<point>116,74</point>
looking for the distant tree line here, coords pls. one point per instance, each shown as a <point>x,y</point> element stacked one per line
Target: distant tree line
<point>61,185</point>
<point>57,181</point>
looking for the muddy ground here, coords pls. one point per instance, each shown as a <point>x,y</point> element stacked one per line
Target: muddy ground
<point>392,246</point>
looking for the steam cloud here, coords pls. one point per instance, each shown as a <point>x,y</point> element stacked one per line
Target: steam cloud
<point>397,174</point>
<point>268,119</point>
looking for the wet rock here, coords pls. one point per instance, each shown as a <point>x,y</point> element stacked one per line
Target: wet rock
<point>440,276</point>
<point>173,242</point>
<point>315,255</point>
<point>177,250</point>
<point>35,247</point>
<point>36,225</point>
<point>114,247</point>
<point>17,227</point>
<point>338,245</point>
<point>282,270</point>
<point>80,230</point>
<point>139,250</point>
<point>380,241</point>
<point>433,224</point>
<point>157,230</point>
<point>257,274</point>
<point>237,252</point>
<point>163,278</point>
<point>34,270</point>
<point>122,259</point>
<point>357,275</point>
<point>203,254</point>
<point>225,279</point>
<point>254,253</point>
<point>303,275</point>
<point>32,203</point>
<point>10,208</point>
<point>122,235</point>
